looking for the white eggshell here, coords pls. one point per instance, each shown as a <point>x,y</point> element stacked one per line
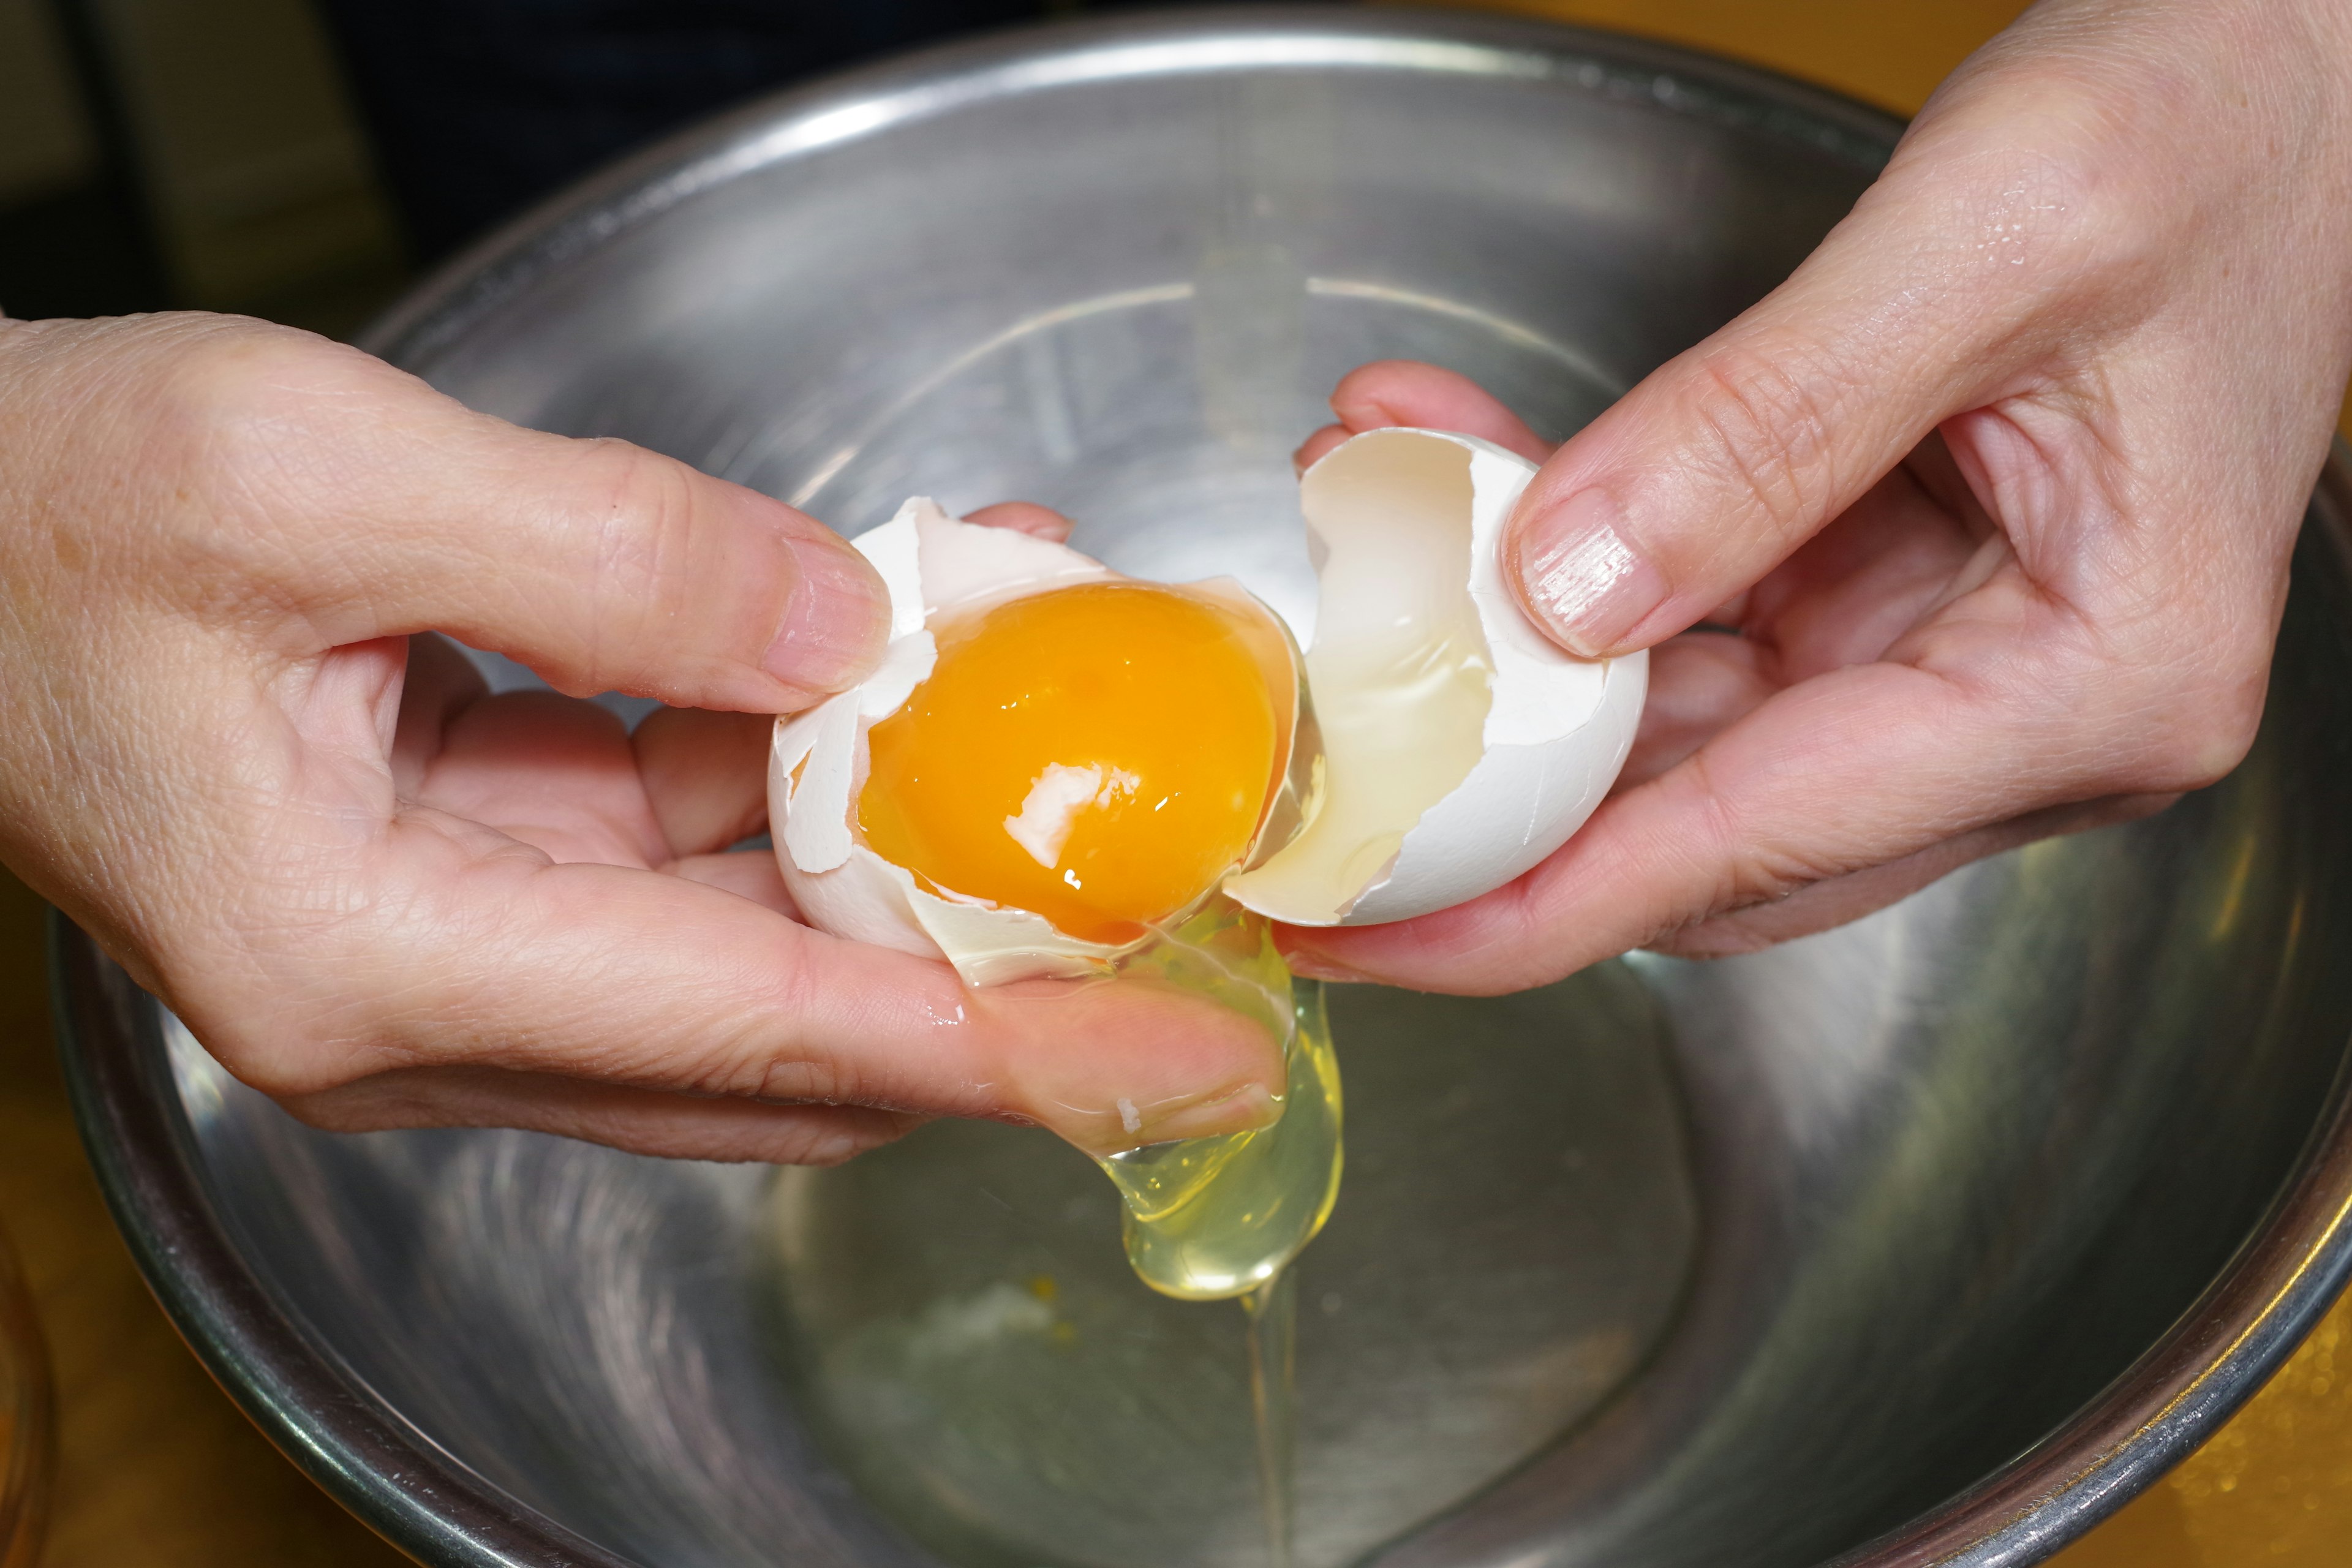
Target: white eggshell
<point>928,562</point>
<point>1557,733</point>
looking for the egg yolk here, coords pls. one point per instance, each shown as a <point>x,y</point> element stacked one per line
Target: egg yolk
<point>1098,755</point>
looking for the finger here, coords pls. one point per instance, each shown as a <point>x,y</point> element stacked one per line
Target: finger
<point>439,683</point>
<point>477,952</point>
<point>376,506</point>
<point>556,772</point>
<point>1726,459</point>
<point>1023,517</point>
<point>1317,447</point>
<point>705,775</point>
<point>1851,592</point>
<point>1393,392</point>
<point>1700,683</point>
<point>746,873</point>
<point>1840,899</point>
<point>642,1122</point>
<point>1843,598</point>
<point>1850,771</point>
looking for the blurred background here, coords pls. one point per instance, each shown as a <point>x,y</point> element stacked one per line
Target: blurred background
<point>198,153</point>
<point>303,160</point>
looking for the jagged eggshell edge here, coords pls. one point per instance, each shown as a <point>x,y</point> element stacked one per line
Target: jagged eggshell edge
<point>1557,731</point>
<point>927,561</point>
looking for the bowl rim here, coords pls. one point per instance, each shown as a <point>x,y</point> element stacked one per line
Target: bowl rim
<point>924,83</point>
<point>2273,1291</point>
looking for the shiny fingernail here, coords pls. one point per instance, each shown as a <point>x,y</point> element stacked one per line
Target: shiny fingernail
<point>1582,580</point>
<point>837,621</point>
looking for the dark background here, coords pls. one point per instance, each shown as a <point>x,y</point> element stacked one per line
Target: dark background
<point>302,160</point>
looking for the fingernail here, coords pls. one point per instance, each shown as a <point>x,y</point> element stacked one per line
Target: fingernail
<point>1242,1109</point>
<point>838,619</point>
<point>1580,579</point>
<point>1314,966</point>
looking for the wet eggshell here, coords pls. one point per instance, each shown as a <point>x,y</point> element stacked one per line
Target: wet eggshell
<point>1556,734</point>
<point>930,562</point>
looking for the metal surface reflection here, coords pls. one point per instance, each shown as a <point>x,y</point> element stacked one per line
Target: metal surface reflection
<point>2005,1197</point>
<point>1514,1234</point>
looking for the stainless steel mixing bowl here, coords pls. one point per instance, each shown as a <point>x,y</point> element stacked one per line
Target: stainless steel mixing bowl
<point>1929,1240</point>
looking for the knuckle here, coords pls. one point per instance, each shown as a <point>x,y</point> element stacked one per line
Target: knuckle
<point>640,542</point>
<point>2179,714</point>
<point>1765,410</point>
<point>232,420</point>
<point>1740,870</point>
<point>230,391</point>
<point>762,1064</point>
<point>1758,875</point>
<point>1731,935</point>
<point>2200,748</point>
<point>292,1061</point>
<point>2045,183</point>
<point>334,1110</point>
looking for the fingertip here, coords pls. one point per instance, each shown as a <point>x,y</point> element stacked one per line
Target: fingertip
<point>1393,392</point>
<point>836,617</point>
<point>1023,517</point>
<point>705,776</point>
<point>1368,396</point>
<point>1108,1064</point>
<point>1318,446</point>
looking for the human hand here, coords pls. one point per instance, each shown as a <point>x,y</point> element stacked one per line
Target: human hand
<point>1996,494</point>
<point>389,899</point>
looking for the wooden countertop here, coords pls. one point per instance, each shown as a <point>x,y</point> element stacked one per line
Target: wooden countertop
<point>155,1467</point>
<point>158,1469</point>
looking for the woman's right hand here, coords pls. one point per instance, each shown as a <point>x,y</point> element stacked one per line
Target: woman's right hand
<point>388,897</point>
<point>1975,530</point>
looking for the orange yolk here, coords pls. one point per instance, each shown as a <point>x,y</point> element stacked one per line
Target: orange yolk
<point>1098,755</point>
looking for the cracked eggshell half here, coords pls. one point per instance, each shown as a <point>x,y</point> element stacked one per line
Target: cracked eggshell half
<point>1461,745</point>
<point>928,562</point>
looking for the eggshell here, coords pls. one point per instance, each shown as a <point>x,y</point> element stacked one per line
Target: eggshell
<point>930,563</point>
<point>1555,736</point>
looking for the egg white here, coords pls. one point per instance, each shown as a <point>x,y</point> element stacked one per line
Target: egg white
<point>1557,729</point>
<point>1554,734</point>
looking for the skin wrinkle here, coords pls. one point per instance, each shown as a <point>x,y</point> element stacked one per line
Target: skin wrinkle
<point>1770,425</point>
<point>627,555</point>
<point>233,562</point>
<point>2021,478</point>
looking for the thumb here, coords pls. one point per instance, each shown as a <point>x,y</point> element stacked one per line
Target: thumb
<point>1723,461</point>
<point>380,507</point>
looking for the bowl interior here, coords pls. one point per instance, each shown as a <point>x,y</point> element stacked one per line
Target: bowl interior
<point>1660,1266</point>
